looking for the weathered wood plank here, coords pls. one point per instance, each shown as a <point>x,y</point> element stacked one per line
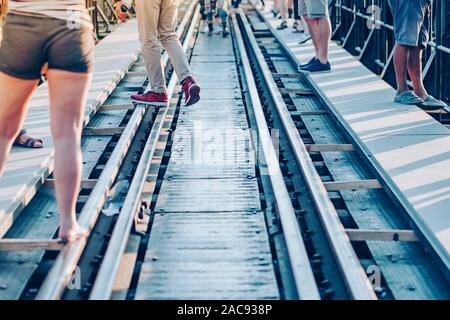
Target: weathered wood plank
<point>381,235</point>
<point>329,147</point>
<point>91,131</point>
<point>299,91</point>
<point>352,185</point>
<point>30,245</point>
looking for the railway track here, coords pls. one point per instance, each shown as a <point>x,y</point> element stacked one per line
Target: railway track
<point>331,228</point>
<point>113,140</point>
<point>350,203</point>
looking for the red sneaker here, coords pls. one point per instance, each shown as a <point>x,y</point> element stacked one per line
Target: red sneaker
<point>191,91</point>
<point>151,99</point>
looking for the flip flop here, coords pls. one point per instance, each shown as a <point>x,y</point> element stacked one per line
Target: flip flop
<point>29,142</point>
<point>74,236</point>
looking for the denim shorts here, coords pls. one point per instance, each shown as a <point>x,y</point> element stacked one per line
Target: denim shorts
<point>411,21</point>
<point>31,41</point>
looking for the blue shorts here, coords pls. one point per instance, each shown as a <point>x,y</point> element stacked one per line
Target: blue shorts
<point>411,21</point>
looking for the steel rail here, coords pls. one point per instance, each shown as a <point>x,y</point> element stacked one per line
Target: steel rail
<point>356,280</point>
<point>424,233</point>
<point>64,265</point>
<point>301,268</point>
<point>106,276</point>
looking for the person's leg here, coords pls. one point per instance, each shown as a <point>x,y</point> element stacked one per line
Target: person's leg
<point>283,9</point>
<point>415,55</point>
<point>68,91</point>
<point>319,26</point>
<point>323,38</point>
<point>14,96</point>
<point>312,27</point>
<point>276,7</point>
<point>400,65</point>
<point>290,8</point>
<point>415,72</point>
<point>223,14</point>
<point>169,39</point>
<point>148,18</point>
<point>283,13</point>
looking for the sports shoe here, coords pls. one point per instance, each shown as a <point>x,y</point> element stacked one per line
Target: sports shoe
<point>316,67</point>
<point>283,25</point>
<point>308,63</point>
<point>431,104</point>
<point>151,99</point>
<point>191,91</point>
<point>408,97</point>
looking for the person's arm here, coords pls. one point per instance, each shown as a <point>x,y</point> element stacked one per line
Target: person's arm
<point>3,10</point>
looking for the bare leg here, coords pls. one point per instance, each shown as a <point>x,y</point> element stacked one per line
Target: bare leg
<point>283,9</point>
<point>320,30</point>
<point>305,24</point>
<point>14,97</point>
<point>324,31</point>
<point>312,28</point>
<point>400,65</point>
<point>415,71</point>
<point>68,92</point>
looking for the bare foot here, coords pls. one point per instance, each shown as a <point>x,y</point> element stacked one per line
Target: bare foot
<point>71,233</point>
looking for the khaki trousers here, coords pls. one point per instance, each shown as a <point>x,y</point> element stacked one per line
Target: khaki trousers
<point>157,20</point>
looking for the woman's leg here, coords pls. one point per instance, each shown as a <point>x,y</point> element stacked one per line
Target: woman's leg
<point>14,96</point>
<point>68,92</point>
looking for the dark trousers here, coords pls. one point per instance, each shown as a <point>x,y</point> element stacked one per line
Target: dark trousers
<point>235,3</point>
<point>296,11</point>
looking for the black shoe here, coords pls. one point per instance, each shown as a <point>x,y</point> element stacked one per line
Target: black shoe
<point>308,63</point>
<point>282,26</point>
<point>316,67</point>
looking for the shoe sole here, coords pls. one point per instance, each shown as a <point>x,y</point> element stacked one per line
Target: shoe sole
<point>430,108</point>
<point>151,104</point>
<point>305,41</point>
<point>194,96</point>
<point>313,72</point>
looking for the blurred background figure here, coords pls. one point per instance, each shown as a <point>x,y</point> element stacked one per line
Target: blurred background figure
<point>122,10</point>
<point>213,9</point>
<point>283,11</point>
<point>236,3</point>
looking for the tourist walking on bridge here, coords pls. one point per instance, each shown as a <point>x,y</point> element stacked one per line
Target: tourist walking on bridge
<point>411,24</point>
<point>58,33</point>
<point>22,139</point>
<point>157,20</point>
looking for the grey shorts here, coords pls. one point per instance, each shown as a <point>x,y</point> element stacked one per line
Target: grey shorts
<point>411,21</point>
<point>30,41</point>
<point>314,9</point>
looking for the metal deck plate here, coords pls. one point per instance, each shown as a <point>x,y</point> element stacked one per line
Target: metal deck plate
<point>388,129</point>
<point>209,237</point>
